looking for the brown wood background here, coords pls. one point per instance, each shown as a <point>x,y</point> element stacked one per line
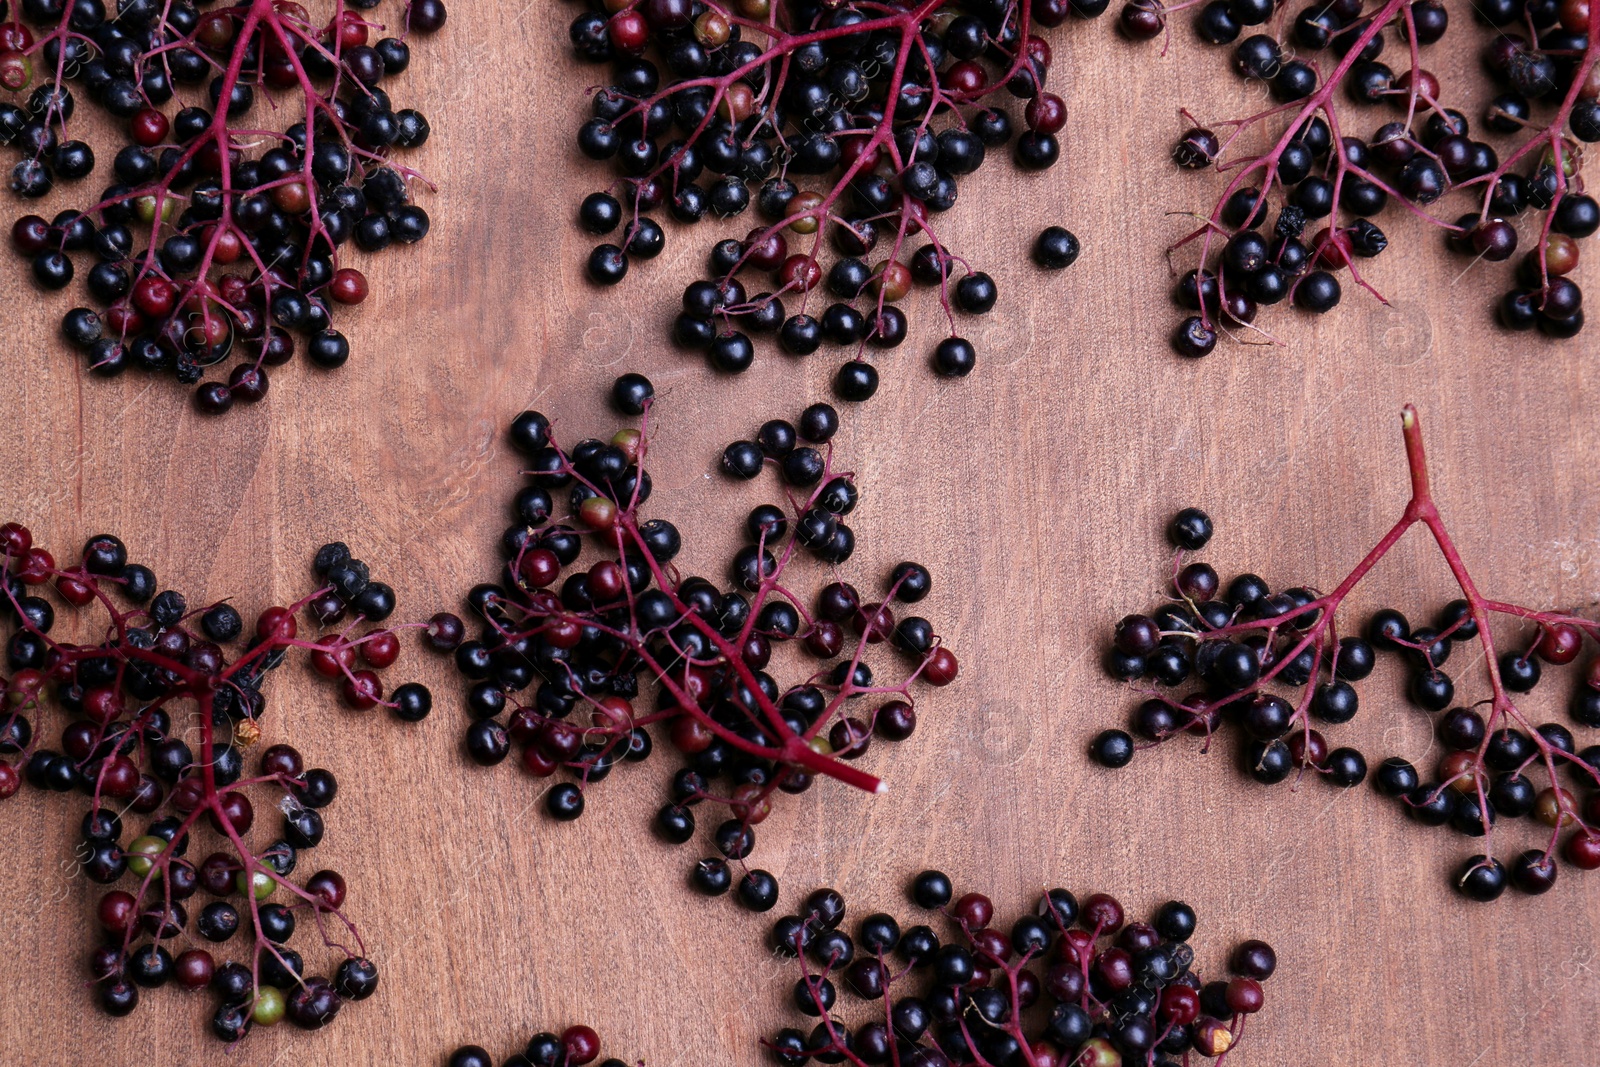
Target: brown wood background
<point>1036,491</point>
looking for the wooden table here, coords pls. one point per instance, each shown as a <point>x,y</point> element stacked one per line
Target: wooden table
<point>1036,491</point>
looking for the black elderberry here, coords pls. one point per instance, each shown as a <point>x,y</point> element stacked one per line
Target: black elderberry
<point>1346,767</point>
<point>1481,878</point>
<point>1055,248</point>
<point>608,264</point>
<point>711,877</point>
<point>856,381</point>
<point>631,392</point>
<point>1190,529</point>
<point>758,891</point>
<point>1268,762</point>
<point>1431,690</point>
<point>1518,672</point>
<point>1112,748</point>
<point>564,802</point>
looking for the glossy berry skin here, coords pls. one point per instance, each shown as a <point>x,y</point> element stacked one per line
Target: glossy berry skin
<point>1190,529</point>
<point>758,891</point>
<point>1194,338</point>
<point>711,877</point>
<point>954,357</point>
<point>470,1056</point>
<point>1112,748</point>
<point>856,382</point>
<point>932,889</point>
<point>600,213</point>
<point>630,393</point>
<point>547,607</point>
<point>1481,878</point>
<point>1055,248</point>
<point>608,265</point>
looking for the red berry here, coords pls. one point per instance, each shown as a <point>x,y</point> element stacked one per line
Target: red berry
<point>537,763</point>
<point>825,640</point>
<point>194,969</point>
<point>598,513</point>
<point>1114,967</point>
<point>328,887</point>
<point>539,567</point>
<point>1559,643</point>
<point>1308,748</point>
<point>15,540</point>
<point>582,1044</point>
<point>103,705</point>
<point>216,31</point>
<point>689,735</point>
<point>606,582</point>
<point>941,667</point>
<point>73,591</point>
<point>1582,850</point>
<point>15,37</point>
<point>563,633</point>
<point>349,28</point>
<point>155,297</point>
<point>1245,996</point>
<point>331,660</point>
<point>148,127</point>
<point>233,809</point>
<point>188,795</point>
<point>966,78</point>
<point>30,234</point>
<point>362,690</point>
<point>117,911</point>
<point>122,320</point>
<point>36,567</point>
<point>1212,1037</point>
<point>1180,1005</point>
<point>1046,113</point>
<point>628,32</point>
<point>276,624</point>
<point>1333,249</point>
<point>800,272</point>
<point>349,286</point>
<point>875,621</point>
<point>1102,914</point>
<point>380,648</point>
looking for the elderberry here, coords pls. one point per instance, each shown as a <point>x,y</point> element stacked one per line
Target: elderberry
<point>285,211</point>
<point>589,623</point>
<point>681,120</point>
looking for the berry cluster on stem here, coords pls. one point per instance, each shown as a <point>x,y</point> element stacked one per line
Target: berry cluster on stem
<point>1330,183</point>
<point>218,237</point>
<point>1069,986</point>
<point>163,705</point>
<point>573,1047</point>
<point>1275,664</point>
<point>591,613</point>
<point>853,122</point>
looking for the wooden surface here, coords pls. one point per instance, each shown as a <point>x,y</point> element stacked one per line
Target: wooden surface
<point>1035,491</point>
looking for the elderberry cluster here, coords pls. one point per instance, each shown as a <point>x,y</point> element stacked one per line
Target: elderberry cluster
<point>573,1047</point>
<point>1486,775</point>
<point>1423,153</point>
<point>204,245</point>
<point>162,710</point>
<point>822,115</point>
<point>248,891</point>
<point>1067,985</point>
<point>590,608</point>
<point>1226,646</point>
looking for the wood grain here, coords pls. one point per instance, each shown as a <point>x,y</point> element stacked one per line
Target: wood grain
<point>1036,491</point>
